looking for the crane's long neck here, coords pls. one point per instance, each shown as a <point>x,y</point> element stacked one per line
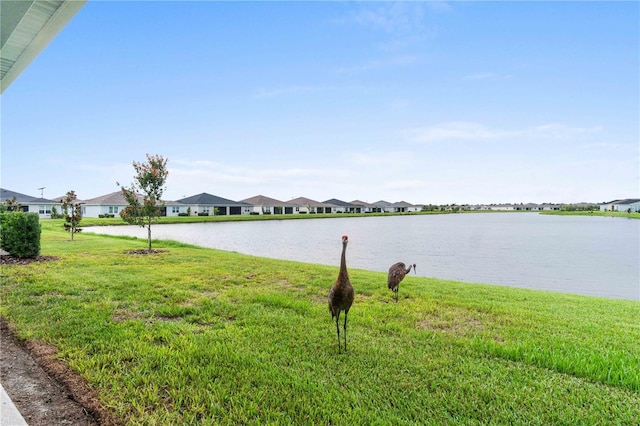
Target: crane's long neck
<point>343,264</point>
<point>408,269</point>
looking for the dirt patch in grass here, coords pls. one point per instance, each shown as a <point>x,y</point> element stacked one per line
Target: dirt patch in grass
<point>44,389</point>
<point>11,260</point>
<point>145,251</point>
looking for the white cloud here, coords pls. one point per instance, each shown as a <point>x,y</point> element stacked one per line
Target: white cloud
<point>481,76</point>
<point>396,17</point>
<point>404,184</point>
<point>283,91</point>
<point>487,76</point>
<point>383,159</point>
<point>560,131</point>
<point>461,130</point>
<point>358,69</point>
<point>396,61</point>
<point>218,172</point>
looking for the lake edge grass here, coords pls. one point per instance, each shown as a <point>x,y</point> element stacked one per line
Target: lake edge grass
<point>146,331</point>
<point>91,221</point>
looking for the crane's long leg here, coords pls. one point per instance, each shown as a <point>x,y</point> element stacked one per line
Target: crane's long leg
<point>397,288</point>
<point>345,332</point>
<point>338,330</point>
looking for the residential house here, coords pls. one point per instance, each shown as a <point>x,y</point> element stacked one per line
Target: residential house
<point>105,205</point>
<point>339,206</point>
<point>548,207</point>
<point>384,206</point>
<point>30,204</point>
<point>265,205</point>
<point>628,204</point>
<point>307,205</point>
<point>502,207</point>
<point>112,204</point>
<point>404,207</point>
<point>209,205</point>
<point>363,207</point>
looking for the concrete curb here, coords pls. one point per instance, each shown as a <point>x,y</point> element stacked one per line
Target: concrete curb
<point>9,414</point>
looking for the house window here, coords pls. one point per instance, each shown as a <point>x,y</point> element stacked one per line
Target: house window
<point>175,209</point>
<point>113,209</point>
<point>44,210</point>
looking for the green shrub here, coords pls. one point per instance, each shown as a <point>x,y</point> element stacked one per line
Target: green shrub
<point>20,234</point>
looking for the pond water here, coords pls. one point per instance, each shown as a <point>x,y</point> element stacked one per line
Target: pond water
<point>597,256</point>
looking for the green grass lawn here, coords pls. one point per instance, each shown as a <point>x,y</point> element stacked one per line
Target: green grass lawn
<point>201,336</point>
<point>633,215</point>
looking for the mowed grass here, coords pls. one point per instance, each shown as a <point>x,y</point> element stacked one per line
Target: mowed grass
<point>200,336</point>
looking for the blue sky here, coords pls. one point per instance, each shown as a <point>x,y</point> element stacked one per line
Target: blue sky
<point>426,102</point>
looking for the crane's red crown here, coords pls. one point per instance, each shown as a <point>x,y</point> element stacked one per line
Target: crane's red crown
<point>344,238</point>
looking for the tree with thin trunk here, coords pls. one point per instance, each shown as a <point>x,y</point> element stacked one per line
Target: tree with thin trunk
<point>145,194</point>
<point>72,212</point>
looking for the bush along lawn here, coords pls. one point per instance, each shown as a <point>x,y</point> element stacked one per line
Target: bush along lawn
<point>199,336</point>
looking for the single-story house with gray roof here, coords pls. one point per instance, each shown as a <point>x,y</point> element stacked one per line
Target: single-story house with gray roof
<point>340,206</point>
<point>31,204</point>
<point>364,207</point>
<point>404,207</point>
<point>628,204</point>
<point>307,205</point>
<point>114,203</point>
<point>209,205</point>
<point>385,206</point>
<point>265,205</point>
<point>108,204</point>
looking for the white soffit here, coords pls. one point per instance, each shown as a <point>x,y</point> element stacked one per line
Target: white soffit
<point>27,26</point>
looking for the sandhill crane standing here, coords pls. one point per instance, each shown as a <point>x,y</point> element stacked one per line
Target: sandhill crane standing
<point>397,271</point>
<point>341,294</point>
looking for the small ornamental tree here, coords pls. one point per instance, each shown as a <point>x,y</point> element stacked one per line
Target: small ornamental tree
<point>12,205</point>
<point>72,213</point>
<point>145,194</point>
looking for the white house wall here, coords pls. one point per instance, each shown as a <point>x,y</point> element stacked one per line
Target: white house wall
<point>635,207</point>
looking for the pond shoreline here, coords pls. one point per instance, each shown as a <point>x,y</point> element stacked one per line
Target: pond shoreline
<point>558,253</point>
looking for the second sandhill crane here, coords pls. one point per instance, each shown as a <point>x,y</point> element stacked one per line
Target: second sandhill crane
<point>397,271</point>
<point>341,294</point>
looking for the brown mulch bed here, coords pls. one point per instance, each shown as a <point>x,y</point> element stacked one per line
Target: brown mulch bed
<point>7,259</point>
<point>146,251</point>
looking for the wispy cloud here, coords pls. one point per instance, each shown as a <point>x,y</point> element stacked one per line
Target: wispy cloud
<point>460,130</point>
<point>396,17</point>
<point>383,159</point>
<point>211,173</point>
<point>263,93</point>
<point>358,69</point>
<point>560,131</point>
<point>481,76</point>
<point>395,61</point>
<point>457,130</point>
<point>403,184</point>
<point>487,76</point>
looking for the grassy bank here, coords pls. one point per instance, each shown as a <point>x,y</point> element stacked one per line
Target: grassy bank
<point>89,221</point>
<point>635,215</point>
<point>199,336</point>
